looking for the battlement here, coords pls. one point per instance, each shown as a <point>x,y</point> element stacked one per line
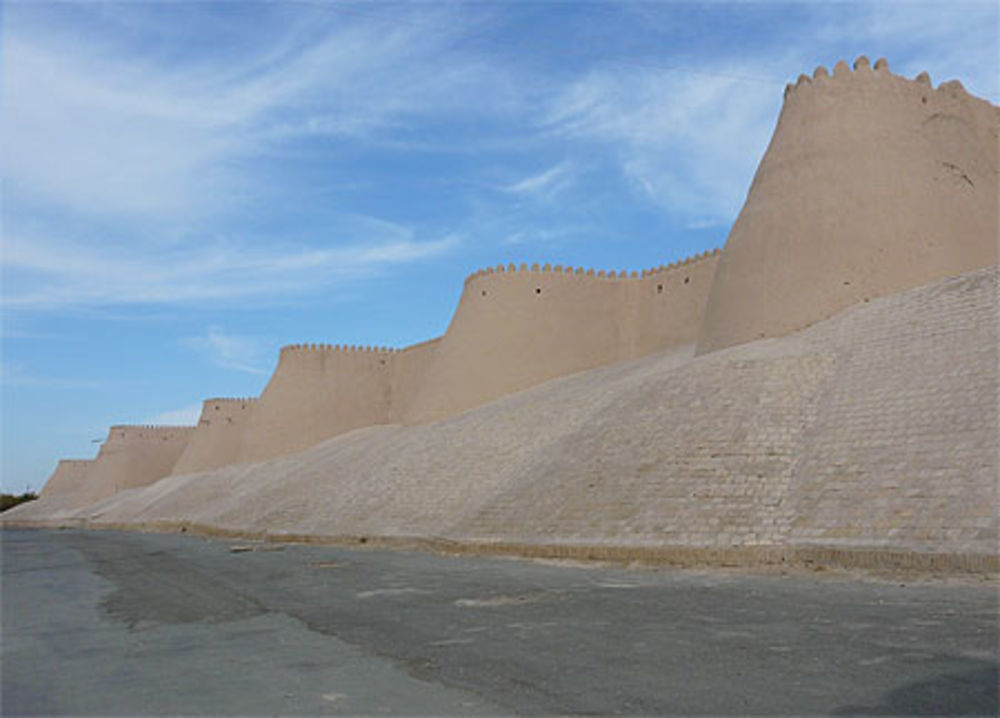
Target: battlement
<point>582,272</point>
<point>330,348</point>
<point>225,407</point>
<point>862,70</point>
<point>147,431</point>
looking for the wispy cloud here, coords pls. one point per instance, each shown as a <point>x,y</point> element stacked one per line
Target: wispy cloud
<point>230,351</point>
<point>14,375</point>
<point>186,416</point>
<point>129,169</point>
<point>673,135</point>
<point>111,130</point>
<point>544,185</point>
<point>69,274</point>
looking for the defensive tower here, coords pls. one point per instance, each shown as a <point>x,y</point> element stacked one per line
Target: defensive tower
<point>872,184</point>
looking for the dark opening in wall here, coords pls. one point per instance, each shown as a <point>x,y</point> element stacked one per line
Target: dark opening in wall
<point>659,289</point>
<point>687,280</point>
<point>538,290</point>
<point>484,292</point>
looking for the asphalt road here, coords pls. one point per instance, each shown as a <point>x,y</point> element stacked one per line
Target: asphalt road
<point>108,623</point>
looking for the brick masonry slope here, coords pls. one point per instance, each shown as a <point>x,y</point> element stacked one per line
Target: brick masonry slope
<point>904,448</point>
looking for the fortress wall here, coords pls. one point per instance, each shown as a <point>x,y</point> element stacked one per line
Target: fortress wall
<point>873,430</point>
<point>409,371</point>
<point>872,184</point>
<point>518,327</point>
<point>68,480</point>
<point>515,328</point>
<point>134,456</point>
<point>318,391</point>
<point>218,438</point>
<point>670,302</point>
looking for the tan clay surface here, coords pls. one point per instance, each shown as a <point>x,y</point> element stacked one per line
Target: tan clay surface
<point>133,456</point>
<point>68,480</point>
<point>515,328</point>
<point>218,438</point>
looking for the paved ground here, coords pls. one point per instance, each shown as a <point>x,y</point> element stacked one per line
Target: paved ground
<point>111,623</point>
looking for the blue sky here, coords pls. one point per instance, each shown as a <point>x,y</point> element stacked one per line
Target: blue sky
<point>188,186</point>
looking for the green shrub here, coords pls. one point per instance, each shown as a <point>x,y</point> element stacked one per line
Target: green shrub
<point>9,501</point>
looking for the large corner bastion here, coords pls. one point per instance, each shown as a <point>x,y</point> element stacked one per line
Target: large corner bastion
<point>824,388</point>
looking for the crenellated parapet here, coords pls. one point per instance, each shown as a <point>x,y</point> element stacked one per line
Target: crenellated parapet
<point>330,348</point>
<point>130,432</point>
<point>861,71</point>
<point>584,272</point>
<point>229,408</point>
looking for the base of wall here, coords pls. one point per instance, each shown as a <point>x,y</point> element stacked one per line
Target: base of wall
<point>814,558</point>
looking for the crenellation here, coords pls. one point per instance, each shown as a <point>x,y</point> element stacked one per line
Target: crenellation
<point>862,63</point>
<point>952,87</point>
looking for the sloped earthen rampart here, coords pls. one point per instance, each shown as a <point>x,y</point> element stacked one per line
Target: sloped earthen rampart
<point>517,327</point>
<point>218,439</point>
<point>872,184</point>
<point>134,456</point>
<point>318,391</point>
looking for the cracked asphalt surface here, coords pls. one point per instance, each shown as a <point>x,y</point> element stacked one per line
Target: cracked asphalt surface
<point>107,623</point>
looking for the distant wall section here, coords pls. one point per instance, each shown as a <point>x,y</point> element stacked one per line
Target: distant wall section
<point>517,327</point>
<point>134,456</point>
<point>316,392</point>
<point>68,480</point>
<point>872,184</point>
<point>218,439</point>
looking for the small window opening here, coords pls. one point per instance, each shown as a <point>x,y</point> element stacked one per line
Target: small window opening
<point>538,290</point>
<point>687,280</point>
<point>659,289</point>
<point>484,292</point>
